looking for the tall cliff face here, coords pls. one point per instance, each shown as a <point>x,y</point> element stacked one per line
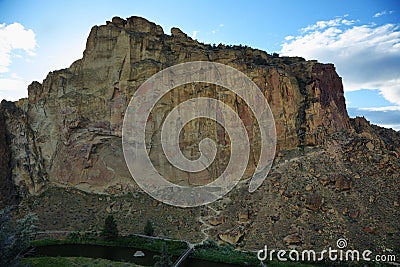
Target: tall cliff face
<point>23,171</point>
<point>8,193</point>
<point>68,131</point>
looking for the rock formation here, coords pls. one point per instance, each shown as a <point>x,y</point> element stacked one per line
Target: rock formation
<point>68,131</point>
<point>8,194</point>
<point>332,177</point>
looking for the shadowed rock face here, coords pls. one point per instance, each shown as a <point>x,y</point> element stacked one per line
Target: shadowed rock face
<point>71,124</point>
<point>8,193</point>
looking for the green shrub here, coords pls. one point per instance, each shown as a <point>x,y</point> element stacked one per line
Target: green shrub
<point>15,237</point>
<point>163,260</point>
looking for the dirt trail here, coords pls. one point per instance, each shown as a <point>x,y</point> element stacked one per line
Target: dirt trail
<point>203,219</point>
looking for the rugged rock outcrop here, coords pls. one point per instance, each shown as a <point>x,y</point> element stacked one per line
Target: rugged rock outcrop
<point>333,177</point>
<point>8,193</point>
<point>68,131</point>
<point>23,161</point>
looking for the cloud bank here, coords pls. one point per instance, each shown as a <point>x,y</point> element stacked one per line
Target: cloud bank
<point>13,88</point>
<point>367,56</point>
<point>13,37</point>
<point>15,42</point>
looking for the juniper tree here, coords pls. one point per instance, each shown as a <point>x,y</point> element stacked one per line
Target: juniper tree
<point>110,229</point>
<point>148,228</point>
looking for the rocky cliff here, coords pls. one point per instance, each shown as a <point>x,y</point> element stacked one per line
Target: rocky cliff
<point>333,177</point>
<point>68,131</point>
<point>8,192</point>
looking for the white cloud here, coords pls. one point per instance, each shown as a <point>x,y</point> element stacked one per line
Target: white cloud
<point>387,108</point>
<point>194,34</point>
<point>13,88</point>
<point>15,76</point>
<point>14,36</point>
<point>395,127</point>
<point>366,56</point>
<point>377,15</point>
<point>347,22</point>
<point>391,91</point>
<point>382,13</point>
<point>319,25</point>
<point>214,31</point>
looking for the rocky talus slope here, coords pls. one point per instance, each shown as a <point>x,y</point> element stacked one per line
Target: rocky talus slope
<point>333,176</point>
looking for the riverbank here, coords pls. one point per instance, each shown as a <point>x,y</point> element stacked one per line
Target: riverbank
<point>208,253</point>
<point>211,251</point>
<point>174,247</point>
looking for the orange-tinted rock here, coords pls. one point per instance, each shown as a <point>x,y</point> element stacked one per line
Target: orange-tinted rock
<point>76,114</point>
<point>232,236</point>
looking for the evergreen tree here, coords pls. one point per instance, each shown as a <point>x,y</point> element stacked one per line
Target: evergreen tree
<point>110,230</point>
<point>148,228</point>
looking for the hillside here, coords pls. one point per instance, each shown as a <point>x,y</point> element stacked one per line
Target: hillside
<point>333,177</point>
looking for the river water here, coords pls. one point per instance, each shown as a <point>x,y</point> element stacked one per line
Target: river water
<point>115,254</point>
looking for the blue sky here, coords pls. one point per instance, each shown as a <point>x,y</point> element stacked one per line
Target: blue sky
<point>362,39</point>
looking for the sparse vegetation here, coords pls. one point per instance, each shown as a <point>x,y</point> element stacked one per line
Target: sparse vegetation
<point>211,251</point>
<point>15,237</point>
